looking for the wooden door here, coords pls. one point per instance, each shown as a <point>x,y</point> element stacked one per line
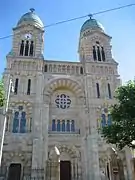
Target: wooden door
<point>65,170</point>
<point>14,172</point>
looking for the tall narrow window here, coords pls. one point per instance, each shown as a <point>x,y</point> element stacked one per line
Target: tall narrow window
<point>45,68</point>
<point>26,48</point>
<point>7,124</point>
<point>16,122</point>
<point>108,173</point>
<point>103,54</point>
<point>22,48</point>
<point>98,90</point>
<point>98,53</point>
<point>23,122</point>
<point>109,91</point>
<point>81,70</point>
<point>68,126</point>
<point>19,122</point>
<point>72,125</point>
<point>94,54</point>
<point>53,125</point>
<point>31,48</point>
<point>30,125</point>
<point>109,122</point>
<point>103,121</point>
<point>29,87</point>
<point>58,125</point>
<point>63,126</point>
<point>16,86</point>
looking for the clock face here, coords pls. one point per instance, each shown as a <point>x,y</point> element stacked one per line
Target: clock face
<point>28,36</point>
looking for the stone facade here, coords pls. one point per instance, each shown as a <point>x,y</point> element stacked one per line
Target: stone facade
<point>56,109</point>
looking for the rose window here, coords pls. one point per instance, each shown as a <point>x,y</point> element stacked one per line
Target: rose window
<point>63,101</point>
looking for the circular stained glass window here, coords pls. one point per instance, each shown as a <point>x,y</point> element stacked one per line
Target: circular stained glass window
<point>63,101</point>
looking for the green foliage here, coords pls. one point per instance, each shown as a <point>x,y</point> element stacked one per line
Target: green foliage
<point>2,94</point>
<point>122,131</point>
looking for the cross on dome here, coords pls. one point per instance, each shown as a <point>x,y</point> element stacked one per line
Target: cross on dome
<point>32,10</point>
<point>90,16</point>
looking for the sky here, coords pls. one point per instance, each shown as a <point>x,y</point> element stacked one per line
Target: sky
<point>61,41</point>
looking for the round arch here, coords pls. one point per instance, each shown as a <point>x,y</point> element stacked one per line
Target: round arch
<point>64,83</point>
<point>71,150</point>
<point>73,156</point>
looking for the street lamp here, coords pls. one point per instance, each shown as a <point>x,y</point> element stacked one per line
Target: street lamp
<point>10,89</point>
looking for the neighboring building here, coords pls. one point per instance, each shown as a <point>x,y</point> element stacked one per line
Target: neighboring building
<point>58,106</point>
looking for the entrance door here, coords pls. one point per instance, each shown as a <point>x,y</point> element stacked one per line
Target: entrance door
<point>65,170</point>
<point>14,172</point>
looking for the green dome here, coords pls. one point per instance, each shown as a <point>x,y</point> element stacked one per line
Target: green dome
<point>31,18</point>
<point>92,24</point>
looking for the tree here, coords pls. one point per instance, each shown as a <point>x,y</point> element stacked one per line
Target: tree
<point>122,130</point>
<point>2,94</point>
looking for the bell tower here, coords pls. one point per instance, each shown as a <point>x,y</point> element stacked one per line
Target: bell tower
<point>28,37</point>
<point>94,43</point>
<point>100,82</point>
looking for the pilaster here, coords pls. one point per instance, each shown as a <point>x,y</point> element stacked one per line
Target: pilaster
<point>93,158</point>
<point>37,152</point>
<point>45,118</point>
<point>129,164</point>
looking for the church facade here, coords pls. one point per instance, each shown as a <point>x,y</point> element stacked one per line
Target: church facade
<point>57,108</point>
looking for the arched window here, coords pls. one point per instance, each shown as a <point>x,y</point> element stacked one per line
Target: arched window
<point>108,172</point>
<point>26,48</point>
<point>72,125</point>
<point>16,122</point>
<point>58,125</point>
<point>63,126</point>
<point>53,125</point>
<point>22,48</point>
<point>98,90</point>
<point>29,87</point>
<point>31,48</point>
<point>103,54</point>
<point>109,91</point>
<point>7,123</point>
<point>16,86</point>
<point>109,122</point>
<point>68,126</point>
<point>45,68</point>
<point>19,121</point>
<point>98,53</point>
<point>68,69</point>
<point>81,70</point>
<point>94,54</point>
<point>23,123</point>
<point>103,121</point>
<point>30,125</point>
